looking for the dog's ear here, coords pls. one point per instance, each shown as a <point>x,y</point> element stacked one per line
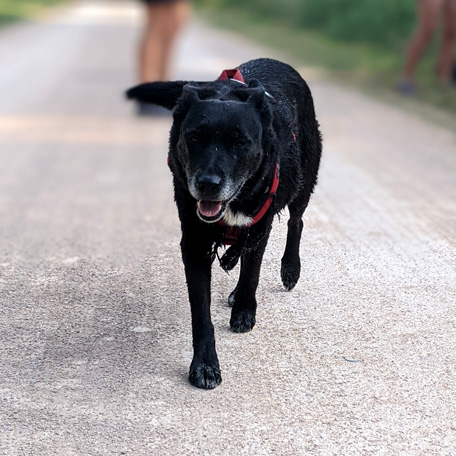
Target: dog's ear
<point>254,93</point>
<point>191,91</point>
<point>257,92</point>
<point>163,94</point>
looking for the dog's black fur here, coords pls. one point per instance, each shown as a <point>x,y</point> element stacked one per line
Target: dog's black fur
<point>225,142</point>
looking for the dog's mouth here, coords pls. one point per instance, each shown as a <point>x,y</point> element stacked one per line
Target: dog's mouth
<point>211,211</point>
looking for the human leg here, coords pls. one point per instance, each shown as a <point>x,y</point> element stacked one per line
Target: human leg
<point>150,48</point>
<point>446,54</point>
<point>428,15</point>
<point>176,16</point>
<point>164,20</point>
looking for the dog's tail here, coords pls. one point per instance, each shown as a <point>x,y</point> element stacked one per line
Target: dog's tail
<point>163,94</point>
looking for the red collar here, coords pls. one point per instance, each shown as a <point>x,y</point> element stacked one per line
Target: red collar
<point>235,75</point>
<point>231,74</point>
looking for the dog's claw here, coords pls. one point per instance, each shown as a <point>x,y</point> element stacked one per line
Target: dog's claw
<point>232,298</point>
<point>242,321</point>
<point>205,376</point>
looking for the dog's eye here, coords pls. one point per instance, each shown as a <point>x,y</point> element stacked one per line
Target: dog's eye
<point>240,143</point>
<point>194,139</point>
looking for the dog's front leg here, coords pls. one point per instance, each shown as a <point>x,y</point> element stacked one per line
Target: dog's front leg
<point>196,254</point>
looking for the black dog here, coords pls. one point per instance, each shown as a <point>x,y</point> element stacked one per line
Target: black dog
<point>241,149</point>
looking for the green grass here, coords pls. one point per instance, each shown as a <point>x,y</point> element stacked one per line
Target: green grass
<point>368,66</point>
<point>16,10</point>
<point>386,23</point>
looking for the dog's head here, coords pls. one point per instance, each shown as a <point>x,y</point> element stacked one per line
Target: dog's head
<point>217,136</point>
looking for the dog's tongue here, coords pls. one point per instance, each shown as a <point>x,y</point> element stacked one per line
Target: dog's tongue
<point>209,208</point>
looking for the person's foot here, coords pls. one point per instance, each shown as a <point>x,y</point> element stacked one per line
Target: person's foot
<point>151,110</point>
<point>407,87</point>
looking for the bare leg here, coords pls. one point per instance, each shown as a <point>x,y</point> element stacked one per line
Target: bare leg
<point>150,49</point>
<point>164,21</point>
<point>446,54</point>
<point>176,18</point>
<point>428,15</point>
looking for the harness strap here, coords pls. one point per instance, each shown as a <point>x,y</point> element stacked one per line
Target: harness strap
<point>268,202</point>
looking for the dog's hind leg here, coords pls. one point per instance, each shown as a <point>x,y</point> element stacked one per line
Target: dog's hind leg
<point>291,263</point>
<point>243,297</point>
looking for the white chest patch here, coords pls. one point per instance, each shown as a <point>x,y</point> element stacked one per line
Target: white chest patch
<point>236,219</point>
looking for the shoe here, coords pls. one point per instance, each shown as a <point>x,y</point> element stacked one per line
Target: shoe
<point>407,87</point>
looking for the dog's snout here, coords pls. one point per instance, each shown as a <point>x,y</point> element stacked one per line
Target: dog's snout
<point>209,185</point>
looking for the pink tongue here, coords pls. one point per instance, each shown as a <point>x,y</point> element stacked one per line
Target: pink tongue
<point>209,208</point>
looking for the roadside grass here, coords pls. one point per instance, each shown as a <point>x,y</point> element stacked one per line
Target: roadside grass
<point>16,10</point>
<point>368,67</point>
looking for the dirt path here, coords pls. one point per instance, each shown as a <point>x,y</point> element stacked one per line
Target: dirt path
<point>95,338</point>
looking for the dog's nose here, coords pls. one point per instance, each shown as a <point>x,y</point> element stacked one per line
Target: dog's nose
<point>209,185</point>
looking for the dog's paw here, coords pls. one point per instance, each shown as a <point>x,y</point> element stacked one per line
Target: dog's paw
<point>230,259</point>
<point>205,376</point>
<point>242,320</point>
<point>290,275</point>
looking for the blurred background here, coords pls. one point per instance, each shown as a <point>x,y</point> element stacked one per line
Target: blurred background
<point>360,43</point>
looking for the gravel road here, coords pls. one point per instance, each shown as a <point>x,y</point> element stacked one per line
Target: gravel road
<point>95,337</point>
